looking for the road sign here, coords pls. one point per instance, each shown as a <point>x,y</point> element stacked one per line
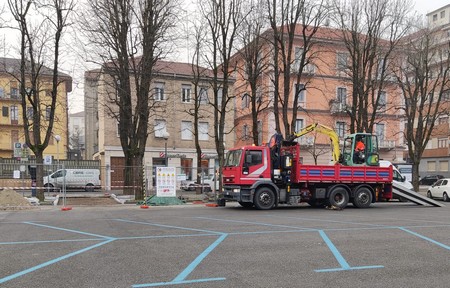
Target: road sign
<point>48,160</point>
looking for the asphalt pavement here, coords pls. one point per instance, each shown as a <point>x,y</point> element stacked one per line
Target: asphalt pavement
<point>388,245</point>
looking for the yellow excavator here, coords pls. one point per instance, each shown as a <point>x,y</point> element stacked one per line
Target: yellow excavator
<point>349,156</point>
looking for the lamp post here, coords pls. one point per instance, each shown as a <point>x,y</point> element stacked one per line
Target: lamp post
<point>165,136</point>
<point>57,138</point>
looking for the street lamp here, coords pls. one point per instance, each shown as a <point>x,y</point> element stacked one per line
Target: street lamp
<point>57,138</point>
<point>165,136</point>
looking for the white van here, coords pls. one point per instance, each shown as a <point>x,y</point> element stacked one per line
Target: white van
<point>87,179</point>
<point>398,177</point>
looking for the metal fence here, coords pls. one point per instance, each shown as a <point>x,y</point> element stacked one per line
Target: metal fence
<point>18,176</point>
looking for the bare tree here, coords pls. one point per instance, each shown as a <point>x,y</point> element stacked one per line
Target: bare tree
<point>129,38</point>
<point>254,64</point>
<point>289,20</point>
<point>370,31</point>
<point>423,74</point>
<point>223,18</point>
<point>40,43</point>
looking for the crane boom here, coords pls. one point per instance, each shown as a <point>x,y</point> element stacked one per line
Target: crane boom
<point>336,153</point>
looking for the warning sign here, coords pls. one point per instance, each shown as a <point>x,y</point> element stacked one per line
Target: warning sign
<point>166,182</point>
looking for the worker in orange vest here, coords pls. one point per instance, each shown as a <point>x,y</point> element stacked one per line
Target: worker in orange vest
<point>359,151</point>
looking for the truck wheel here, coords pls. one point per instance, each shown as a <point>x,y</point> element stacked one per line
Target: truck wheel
<point>338,198</point>
<point>246,204</point>
<point>363,198</point>
<point>264,199</point>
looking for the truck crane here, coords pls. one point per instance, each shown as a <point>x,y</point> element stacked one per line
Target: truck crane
<point>269,175</point>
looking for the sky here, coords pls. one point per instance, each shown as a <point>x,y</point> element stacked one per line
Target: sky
<point>77,71</point>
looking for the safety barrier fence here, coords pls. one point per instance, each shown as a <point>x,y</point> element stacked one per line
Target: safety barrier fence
<point>19,176</point>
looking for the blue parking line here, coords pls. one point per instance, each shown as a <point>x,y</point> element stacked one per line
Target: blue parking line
<point>259,223</point>
<point>168,226</point>
<point>69,230</point>
<point>425,238</point>
<point>48,263</point>
<point>344,265</point>
<point>180,279</point>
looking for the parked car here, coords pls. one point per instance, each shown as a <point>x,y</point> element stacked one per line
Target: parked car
<point>440,189</point>
<point>188,185</point>
<point>430,179</point>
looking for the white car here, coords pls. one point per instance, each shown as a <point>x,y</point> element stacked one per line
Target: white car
<point>440,189</point>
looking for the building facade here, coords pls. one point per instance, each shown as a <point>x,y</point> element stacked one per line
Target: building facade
<point>171,139</point>
<point>324,98</point>
<point>11,123</point>
<point>76,136</point>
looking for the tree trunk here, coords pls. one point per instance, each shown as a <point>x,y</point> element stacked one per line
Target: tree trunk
<point>134,177</point>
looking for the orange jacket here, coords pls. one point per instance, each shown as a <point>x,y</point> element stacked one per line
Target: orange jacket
<point>360,146</point>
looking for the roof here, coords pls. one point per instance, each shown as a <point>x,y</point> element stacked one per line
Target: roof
<point>12,66</point>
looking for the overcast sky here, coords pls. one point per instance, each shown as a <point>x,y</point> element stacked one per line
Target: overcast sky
<point>76,97</point>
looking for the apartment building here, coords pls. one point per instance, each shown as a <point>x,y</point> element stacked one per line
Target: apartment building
<point>76,136</point>
<point>11,124</point>
<point>170,127</point>
<point>436,157</point>
<point>325,96</point>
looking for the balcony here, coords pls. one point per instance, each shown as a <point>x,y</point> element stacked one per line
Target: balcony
<point>386,144</point>
<point>337,107</point>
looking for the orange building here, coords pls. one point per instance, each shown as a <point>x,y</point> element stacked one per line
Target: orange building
<point>325,100</point>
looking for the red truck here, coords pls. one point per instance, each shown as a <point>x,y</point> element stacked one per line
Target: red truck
<point>266,176</point>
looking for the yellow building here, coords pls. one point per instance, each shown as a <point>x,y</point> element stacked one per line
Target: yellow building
<point>11,123</point>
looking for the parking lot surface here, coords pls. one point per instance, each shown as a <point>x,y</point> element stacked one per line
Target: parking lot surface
<point>388,245</point>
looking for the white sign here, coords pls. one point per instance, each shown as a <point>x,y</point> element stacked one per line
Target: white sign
<point>48,160</point>
<point>166,182</point>
<point>16,174</point>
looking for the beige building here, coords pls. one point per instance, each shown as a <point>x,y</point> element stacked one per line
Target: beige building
<point>171,124</point>
<point>11,123</point>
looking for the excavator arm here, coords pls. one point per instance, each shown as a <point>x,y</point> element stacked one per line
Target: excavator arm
<point>323,130</point>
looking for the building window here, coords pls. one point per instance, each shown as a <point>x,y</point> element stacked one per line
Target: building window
<point>14,114</point>
<point>245,101</point>
<point>47,113</point>
<point>379,129</point>
<point>431,165</point>
<point>30,113</point>
<point>341,60</point>
<point>442,14</point>
<point>118,129</point>
<point>13,92</point>
<point>160,128</point>
<point>442,142</point>
<point>297,59</point>
<point>186,130</point>
<point>435,17</point>
<point>203,128</point>
<point>443,120</point>
<point>245,132</point>
<point>443,166</point>
<point>299,124</point>
<point>300,92</point>
<point>203,95</point>
<point>342,95</point>
<point>382,102</point>
<point>219,97</point>
<point>159,92</point>
<point>5,111</point>
<point>185,93</point>
<point>340,129</point>
<point>2,92</point>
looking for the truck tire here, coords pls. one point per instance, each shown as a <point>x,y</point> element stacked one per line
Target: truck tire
<point>264,198</point>
<point>338,198</point>
<point>246,204</point>
<point>363,198</point>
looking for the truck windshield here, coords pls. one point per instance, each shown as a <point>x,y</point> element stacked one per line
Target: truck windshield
<point>233,158</point>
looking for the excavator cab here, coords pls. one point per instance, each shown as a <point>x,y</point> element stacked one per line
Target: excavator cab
<point>360,149</point>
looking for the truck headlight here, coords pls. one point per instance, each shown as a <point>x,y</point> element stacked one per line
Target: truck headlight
<point>236,190</point>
